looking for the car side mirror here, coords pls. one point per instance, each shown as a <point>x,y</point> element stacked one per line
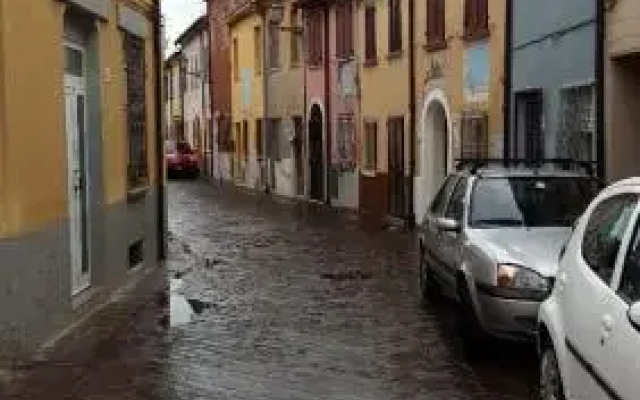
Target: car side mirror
<point>448,225</point>
<point>634,315</point>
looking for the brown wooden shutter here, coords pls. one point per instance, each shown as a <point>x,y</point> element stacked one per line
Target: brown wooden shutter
<point>469,6</point>
<point>441,20</point>
<point>318,38</point>
<point>352,47</point>
<point>429,31</point>
<point>370,34</point>
<point>339,30</point>
<point>483,15</point>
<point>374,146</point>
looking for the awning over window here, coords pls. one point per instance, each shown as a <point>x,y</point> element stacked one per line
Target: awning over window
<point>99,8</point>
<point>133,22</point>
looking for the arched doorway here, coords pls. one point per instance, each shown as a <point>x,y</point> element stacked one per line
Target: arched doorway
<point>435,151</point>
<point>316,153</point>
<point>437,128</point>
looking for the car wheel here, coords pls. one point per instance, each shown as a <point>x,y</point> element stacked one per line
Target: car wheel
<point>474,337</point>
<point>551,387</point>
<point>429,289</point>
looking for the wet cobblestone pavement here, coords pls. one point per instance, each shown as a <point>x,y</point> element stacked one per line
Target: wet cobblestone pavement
<point>292,303</point>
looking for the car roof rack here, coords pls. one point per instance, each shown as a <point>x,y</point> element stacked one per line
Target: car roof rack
<point>567,164</point>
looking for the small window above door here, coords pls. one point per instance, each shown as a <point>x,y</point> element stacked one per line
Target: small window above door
<point>74,61</point>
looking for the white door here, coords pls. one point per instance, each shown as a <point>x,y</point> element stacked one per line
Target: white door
<point>76,121</point>
<point>620,343</point>
<point>586,294</point>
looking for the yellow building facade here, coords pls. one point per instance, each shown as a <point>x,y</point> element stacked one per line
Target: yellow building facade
<point>80,180</point>
<point>174,102</point>
<point>247,96</point>
<point>459,90</point>
<point>384,109</point>
<point>621,89</point>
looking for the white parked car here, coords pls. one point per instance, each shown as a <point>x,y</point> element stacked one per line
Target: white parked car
<point>589,328</point>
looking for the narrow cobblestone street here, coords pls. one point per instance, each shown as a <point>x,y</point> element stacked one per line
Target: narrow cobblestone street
<point>291,303</point>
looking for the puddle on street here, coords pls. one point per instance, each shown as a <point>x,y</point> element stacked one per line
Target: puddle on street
<point>183,311</point>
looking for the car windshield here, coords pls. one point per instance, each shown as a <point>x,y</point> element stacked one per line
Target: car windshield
<point>529,201</point>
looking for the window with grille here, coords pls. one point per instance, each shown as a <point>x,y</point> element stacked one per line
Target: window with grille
<point>225,141</point>
<point>436,38</point>
<point>274,139</point>
<point>183,77</point>
<point>344,30</point>
<point>167,86</point>
<point>245,139</point>
<point>577,123</point>
<point>138,171</point>
<point>294,39</point>
<point>259,144</point>
<point>371,44</point>
<point>257,49</point>
<point>395,26</point>
<point>274,45</point>
<point>474,135</point>
<point>238,139</point>
<point>476,19</point>
<point>314,39</point>
<point>346,143</point>
<point>370,156</point>
<point>236,60</point>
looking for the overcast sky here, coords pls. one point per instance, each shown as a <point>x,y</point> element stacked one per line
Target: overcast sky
<point>178,15</point>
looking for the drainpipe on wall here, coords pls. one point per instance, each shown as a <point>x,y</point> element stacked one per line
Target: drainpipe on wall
<point>305,124</point>
<point>508,79</point>
<point>183,90</point>
<point>600,88</point>
<point>327,100</point>
<point>412,114</point>
<point>210,84</point>
<point>205,121</point>
<point>157,47</point>
<point>265,168</point>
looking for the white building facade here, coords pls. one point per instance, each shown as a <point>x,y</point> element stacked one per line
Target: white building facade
<point>194,44</point>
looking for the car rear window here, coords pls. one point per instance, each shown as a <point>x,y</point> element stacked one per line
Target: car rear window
<point>184,148</point>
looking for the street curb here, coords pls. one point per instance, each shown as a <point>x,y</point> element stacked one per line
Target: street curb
<point>74,343</point>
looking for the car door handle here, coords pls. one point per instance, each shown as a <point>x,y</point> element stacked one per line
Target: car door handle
<point>607,323</point>
<point>561,280</point>
<point>607,326</point>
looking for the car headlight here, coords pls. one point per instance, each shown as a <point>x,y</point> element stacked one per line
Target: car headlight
<point>513,276</point>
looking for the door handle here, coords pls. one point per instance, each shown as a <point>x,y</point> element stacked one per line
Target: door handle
<point>607,327</point>
<point>561,280</point>
<point>607,323</point>
<point>78,182</point>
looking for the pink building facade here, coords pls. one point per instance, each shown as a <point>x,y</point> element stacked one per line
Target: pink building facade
<point>332,102</point>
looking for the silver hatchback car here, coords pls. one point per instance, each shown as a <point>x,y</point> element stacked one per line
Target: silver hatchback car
<point>492,237</point>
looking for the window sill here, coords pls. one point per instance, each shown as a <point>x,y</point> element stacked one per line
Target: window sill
<point>370,63</point>
<point>315,67</point>
<point>368,173</point>
<point>435,46</point>
<point>294,65</point>
<point>345,58</point>
<point>136,194</point>
<point>395,55</point>
<point>477,35</point>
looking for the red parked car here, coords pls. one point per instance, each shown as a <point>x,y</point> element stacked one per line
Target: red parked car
<point>182,161</point>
